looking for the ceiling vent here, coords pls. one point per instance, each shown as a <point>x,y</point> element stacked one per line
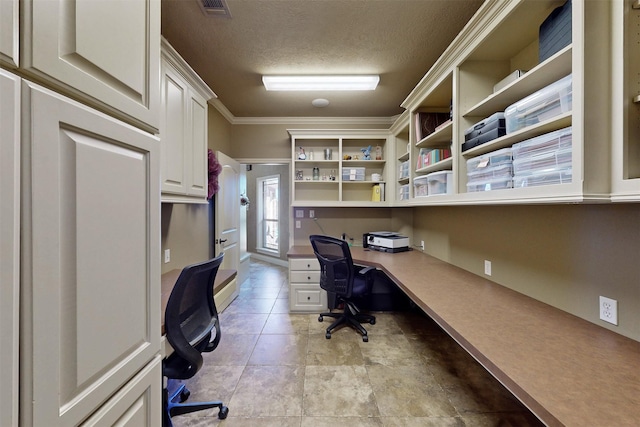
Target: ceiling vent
<point>215,8</point>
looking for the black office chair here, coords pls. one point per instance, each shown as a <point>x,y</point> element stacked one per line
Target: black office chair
<point>339,277</point>
<point>190,320</point>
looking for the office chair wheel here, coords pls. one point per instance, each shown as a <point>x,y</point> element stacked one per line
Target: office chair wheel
<point>365,338</point>
<point>372,321</point>
<point>320,318</point>
<point>224,411</point>
<point>184,395</point>
<point>328,335</point>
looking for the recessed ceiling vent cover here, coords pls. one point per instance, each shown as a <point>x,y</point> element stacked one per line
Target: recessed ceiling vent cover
<point>215,8</point>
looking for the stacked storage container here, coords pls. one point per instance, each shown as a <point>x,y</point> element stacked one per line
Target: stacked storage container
<point>491,171</point>
<point>435,183</point>
<point>543,160</point>
<point>540,106</point>
<point>404,192</point>
<point>404,170</point>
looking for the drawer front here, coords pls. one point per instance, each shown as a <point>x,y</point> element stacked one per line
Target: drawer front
<point>304,264</point>
<point>305,277</point>
<point>307,298</point>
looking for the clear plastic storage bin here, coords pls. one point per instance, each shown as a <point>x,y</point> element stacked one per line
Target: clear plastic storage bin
<point>440,182</point>
<point>494,158</point>
<point>547,161</point>
<point>404,192</point>
<point>542,105</point>
<point>504,171</point>
<point>488,185</point>
<point>545,178</point>
<point>420,186</point>
<point>556,140</point>
<point>352,174</point>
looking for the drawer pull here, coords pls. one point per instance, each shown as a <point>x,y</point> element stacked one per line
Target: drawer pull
<point>308,277</point>
<point>308,298</point>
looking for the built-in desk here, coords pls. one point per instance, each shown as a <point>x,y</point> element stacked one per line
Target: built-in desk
<point>223,288</point>
<point>566,370</point>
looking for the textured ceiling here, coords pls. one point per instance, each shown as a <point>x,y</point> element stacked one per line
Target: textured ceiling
<point>397,39</point>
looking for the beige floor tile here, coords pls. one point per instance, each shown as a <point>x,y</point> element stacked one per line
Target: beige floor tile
<point>261,422</point>
<point>390,350</point>
<point>251,306</point>
<point>342,391</point>
<point>423,422</point>
<point>233,350</point>
<point>269,391</point>
<point>340,350</point>
<point>280,350</point>
<point>285,323</point>
<point>329,421</point>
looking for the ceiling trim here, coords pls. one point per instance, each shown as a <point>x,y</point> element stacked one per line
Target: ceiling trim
<point>224,111</point>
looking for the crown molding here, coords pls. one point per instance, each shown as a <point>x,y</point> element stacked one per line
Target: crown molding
<point>224,111</point>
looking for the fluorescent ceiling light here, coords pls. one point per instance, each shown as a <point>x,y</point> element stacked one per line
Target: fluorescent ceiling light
<point>357,82</point>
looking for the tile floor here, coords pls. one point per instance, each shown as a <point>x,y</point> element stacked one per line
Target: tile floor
<point>275,369</point>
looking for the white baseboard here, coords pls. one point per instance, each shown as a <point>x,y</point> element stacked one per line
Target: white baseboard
<point>272,260</point>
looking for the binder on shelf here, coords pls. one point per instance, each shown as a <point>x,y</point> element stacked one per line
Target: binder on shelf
<point>377,192</point>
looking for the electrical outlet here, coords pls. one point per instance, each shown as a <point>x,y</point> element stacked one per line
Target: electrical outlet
<point>487,267</point>
<point>299,213</point>
<point>298,223</point>
<point>312,213</point>
<point>167,255</point>
<point>609,310</point>
<point>422,245</point>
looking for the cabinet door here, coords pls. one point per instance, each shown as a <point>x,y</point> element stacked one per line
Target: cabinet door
<point>9,32</point>
<point>91,245</point>
<point>172,132</point>
<point>138,403</point>
<point>9,245</point>
<point>102,50</point>
<point>197,147</point>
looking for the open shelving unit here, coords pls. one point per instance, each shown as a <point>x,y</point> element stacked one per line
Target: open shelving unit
<point>501,38</point>
<point>346,156</point>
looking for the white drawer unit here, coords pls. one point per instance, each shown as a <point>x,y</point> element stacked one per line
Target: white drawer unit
<point>304,280</point>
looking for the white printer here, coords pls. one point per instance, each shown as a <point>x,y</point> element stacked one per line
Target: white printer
<point>385,241</point>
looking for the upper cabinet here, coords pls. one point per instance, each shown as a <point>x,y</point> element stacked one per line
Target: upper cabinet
<point>97,52</point>
<point>9,34</point>
<point>183,130</point>
<point>517,109</point>
<point>626,100</point>
<point>340,167</point>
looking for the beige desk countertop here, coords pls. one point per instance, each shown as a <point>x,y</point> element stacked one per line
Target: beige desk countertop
<point>567,370</point>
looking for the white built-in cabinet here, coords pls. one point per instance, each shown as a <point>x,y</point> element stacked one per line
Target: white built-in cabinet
<point>98,52</point>
<point>183,130</point>
<point>80,213</point>
<point>9,245</point>
<point>353,177</point>
<point>90,285</point>
<point>9,35</point>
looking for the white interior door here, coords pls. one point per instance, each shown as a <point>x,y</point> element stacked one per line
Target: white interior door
<point>227,212</point>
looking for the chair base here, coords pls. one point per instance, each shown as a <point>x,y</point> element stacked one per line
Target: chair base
<point>174,406</point>
<point>350,317</point>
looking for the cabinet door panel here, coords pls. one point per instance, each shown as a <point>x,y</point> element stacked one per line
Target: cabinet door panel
<point>92,264</point>
<point>108,51</point>
<point>9,245</point>
<point>138,403</point>
<point>198,156</point>
<point>174,93</point>
<point>9,32</point>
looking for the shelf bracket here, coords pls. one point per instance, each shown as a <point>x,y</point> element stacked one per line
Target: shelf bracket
<point>635,4</point>
<point>636,99</point>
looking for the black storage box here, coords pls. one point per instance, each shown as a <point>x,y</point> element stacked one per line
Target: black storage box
<point>484,131</point>
<point>555,32</point>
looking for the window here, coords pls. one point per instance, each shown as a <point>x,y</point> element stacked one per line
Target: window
<point>268,214</point>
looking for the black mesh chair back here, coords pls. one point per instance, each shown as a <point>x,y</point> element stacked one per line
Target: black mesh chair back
<point>191,321</point>
<point>336,266</point>
<point>340,278</point>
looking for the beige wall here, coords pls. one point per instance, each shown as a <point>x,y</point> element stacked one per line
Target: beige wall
<point>563,255</point>
<point>185,231</point>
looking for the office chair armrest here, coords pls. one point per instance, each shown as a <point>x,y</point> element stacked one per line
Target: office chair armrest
<point>212,345</point>
<point>366,270</point>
